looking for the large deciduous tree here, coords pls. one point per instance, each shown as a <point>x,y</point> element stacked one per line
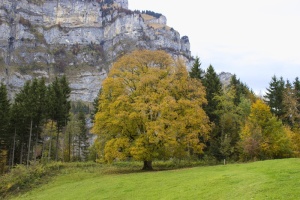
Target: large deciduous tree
<point>149,108</point>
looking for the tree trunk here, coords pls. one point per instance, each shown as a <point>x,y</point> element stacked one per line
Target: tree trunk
<point>69,146</point>
<point>43,149</point>
<point>35,146</point>
<point>57,145</point>
<point>147,166</point>
<point>50,143</point>
<point>79,144</point>
<point>21,153</point>
<point>28,154</point>
<point>14,147</point>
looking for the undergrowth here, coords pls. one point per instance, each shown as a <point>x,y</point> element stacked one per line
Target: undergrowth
<point>21,179</point>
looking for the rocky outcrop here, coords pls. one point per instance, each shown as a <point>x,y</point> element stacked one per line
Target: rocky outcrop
<point>80,38</point>
<point>225,78</point>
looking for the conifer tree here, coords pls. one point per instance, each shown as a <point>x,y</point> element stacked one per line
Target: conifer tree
<point>291,106</point>
<point>59,106</point>
<point>83,143</point>
<point>213,87</point>
<point>196,71</point>
<point>296,86</point>
<point>29,108</point>
<point>274,96</point>
<point>4,127</point>
<point>95,106</point>
<point>241,90</point>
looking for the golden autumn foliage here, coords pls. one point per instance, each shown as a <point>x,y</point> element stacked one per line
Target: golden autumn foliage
<point>149,109</point>
<point>264,136</point>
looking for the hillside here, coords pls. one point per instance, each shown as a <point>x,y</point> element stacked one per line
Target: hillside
<point>80,38</point>
<point>273,179</point>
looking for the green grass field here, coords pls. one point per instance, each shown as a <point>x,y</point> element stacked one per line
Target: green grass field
<point>273,179</point>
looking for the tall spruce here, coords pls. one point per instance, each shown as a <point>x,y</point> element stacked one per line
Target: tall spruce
<point>213,87</point>
<point>4,127</point>
<point>95,106</point>
<point>196,71</point>
<point>241,90</point>
<point>296,86</point>
<point>274,96</point>
<point>19,126</point>
<point>59,106</point>
<point>83,142</point>
<point>29,108</point>
<point>291,106</point>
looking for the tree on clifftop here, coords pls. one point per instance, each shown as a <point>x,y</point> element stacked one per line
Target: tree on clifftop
<point>150,109</point>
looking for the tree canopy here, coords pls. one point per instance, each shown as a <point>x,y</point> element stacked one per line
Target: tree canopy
<point>150,108</point>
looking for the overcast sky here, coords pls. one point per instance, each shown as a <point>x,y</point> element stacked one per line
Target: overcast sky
<point>254,39</point>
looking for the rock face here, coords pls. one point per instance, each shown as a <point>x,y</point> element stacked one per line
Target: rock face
<point>225,78</point>
<point>79,38</point>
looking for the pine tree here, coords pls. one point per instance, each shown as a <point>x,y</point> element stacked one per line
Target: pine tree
<point>4,127</point>
<point>291,106</point>
<point>213,87</point>
<point>83,142</point>
<point>196,71</point>
<point>19,127</point>
<point>296,86</point>
<point>241,90</point>
<point>95,106</point>
<point>59,106</point>
<point>274,96</point>
<point>30,108</point>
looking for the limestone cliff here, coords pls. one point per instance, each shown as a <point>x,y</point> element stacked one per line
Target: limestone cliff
<point>81,38</point>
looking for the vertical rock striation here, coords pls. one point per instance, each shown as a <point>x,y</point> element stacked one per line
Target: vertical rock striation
<point>80,38</point>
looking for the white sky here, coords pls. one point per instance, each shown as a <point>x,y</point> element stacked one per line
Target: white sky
<point>254,39</point>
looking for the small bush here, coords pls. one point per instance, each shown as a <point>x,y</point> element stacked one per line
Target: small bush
<point>23,178</point>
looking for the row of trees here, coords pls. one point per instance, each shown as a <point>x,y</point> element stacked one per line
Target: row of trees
<point>283,97</point>
<point>246,126</point>
<point>151,108</point>
<point>32,124</point>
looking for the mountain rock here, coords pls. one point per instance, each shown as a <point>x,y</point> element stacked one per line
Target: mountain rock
<point>225,78</point>
<point>79,38</point>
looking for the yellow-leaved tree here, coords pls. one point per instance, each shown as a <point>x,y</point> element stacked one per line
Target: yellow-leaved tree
<point>264,136</point>
<point>149,108</point>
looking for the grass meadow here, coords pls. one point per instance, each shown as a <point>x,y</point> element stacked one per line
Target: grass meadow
<point>272,179</point>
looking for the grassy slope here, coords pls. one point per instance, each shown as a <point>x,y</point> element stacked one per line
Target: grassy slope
<point>274,179</point>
